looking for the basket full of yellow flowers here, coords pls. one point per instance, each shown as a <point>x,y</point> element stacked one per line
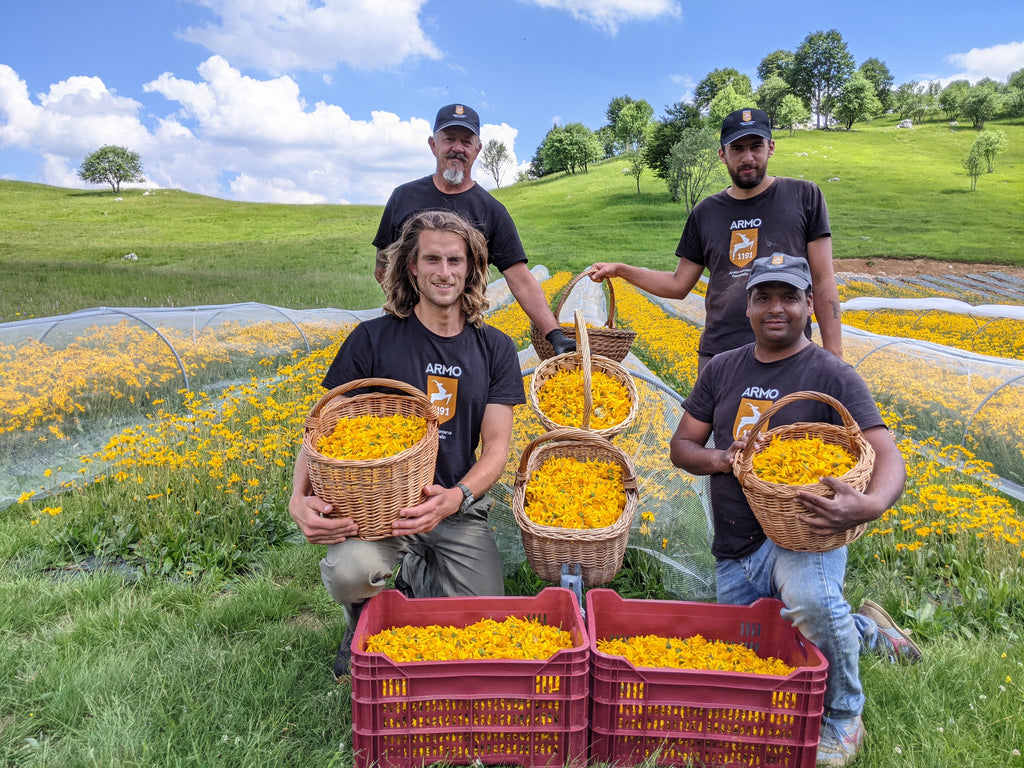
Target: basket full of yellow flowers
<point>777,463</point>
<point>583,390</point>
<point>574,500</point>
<point>371,454</point>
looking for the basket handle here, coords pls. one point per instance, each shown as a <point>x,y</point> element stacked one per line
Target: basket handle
<point>848,421</point>
<point>314,413</point>
<point>580,435</point>
<point>610,322</point>
<point>583,340</point>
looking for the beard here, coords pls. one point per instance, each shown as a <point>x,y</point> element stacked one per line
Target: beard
<point>749,182</point>
<point>453,176</point>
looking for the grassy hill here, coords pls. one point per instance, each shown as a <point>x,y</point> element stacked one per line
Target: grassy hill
<point>891,193</point>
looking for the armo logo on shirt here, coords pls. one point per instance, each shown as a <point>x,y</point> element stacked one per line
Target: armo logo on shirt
<point>443,394</point>
<point>747,415</point>
<point>743,246</point>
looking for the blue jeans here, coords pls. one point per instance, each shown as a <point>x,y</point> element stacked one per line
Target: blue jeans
<point>811,586</point>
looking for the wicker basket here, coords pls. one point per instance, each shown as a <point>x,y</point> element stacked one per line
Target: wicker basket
<point>599,551</point>
<point>371,491</point>
<point>607,340</point>
<point>775,504</point>
<point>571,361</point>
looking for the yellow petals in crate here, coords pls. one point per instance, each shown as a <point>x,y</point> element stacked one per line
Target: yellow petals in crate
<point>691,653</point>
<point>372,437</point>
<point>801,461</point>
<point>561,399</point>
<point>565,492</point>
<point>512,638</point>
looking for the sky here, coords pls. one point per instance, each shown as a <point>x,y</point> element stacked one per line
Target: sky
<point>332,101</point>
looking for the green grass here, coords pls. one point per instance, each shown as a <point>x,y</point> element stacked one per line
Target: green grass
<point>900,194</point>
<point>123,668</point>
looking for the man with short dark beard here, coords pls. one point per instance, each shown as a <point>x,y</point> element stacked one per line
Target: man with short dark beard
<point>755,217</point>
<point>456,143</point>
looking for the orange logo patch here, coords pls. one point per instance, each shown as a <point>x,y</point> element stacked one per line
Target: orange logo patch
<point>443,393</point>
<point>747,415</point>
<point>743,247</point>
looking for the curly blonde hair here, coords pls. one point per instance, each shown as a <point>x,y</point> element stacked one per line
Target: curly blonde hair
<point>399,282</point>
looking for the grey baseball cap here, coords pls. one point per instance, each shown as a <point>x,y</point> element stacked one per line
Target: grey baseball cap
<point>781,268</point>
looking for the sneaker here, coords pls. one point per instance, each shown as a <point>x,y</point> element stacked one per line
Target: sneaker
<point>840,742</point>
<point>343,659</point>
<point>892,641</point>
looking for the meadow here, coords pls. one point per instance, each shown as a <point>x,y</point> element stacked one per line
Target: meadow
<point>161,611</point>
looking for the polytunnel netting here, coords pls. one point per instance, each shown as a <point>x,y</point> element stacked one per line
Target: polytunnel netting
<point>70,383</point>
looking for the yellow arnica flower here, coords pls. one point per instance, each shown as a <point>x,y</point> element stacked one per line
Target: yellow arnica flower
<point>512,638</point>
<point>372,437</point>
<point>565,492</point>
<point>801,461</point>
<point>691,653</point>
<point>560,398</point>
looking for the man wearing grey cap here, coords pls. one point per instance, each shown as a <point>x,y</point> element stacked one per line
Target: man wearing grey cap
<point>730,394</point>
<point>749,220</point>
<point>455,144</point>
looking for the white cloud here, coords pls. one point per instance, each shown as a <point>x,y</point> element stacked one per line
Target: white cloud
<point>996,62</point>
<point>286,35</point>
<point>227,135</point>
<point>610,14</point>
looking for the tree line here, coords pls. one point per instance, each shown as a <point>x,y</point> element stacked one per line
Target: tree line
<point>819,80</point>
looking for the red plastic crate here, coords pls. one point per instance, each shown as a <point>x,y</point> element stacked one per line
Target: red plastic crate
<point>528,713</point>
<point>699,717</point>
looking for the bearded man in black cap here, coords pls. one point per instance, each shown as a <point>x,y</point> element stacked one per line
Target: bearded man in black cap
<point>725,233</point>
<point>456,143</point>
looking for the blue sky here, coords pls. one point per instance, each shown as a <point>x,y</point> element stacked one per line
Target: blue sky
<point>331,101</point>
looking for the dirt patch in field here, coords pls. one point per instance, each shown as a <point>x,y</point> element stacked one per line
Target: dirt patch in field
<point>915,267</point>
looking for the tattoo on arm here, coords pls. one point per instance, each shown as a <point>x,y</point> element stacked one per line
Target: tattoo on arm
<point>836,311</point>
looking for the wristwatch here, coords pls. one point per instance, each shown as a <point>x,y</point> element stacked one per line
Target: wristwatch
<point>467,497</point>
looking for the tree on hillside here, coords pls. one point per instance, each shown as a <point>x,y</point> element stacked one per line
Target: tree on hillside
<point>821,65</point>
<point>980,104</point>
<point>632,125</point>
<point>769,96</point>
<point>111,165</point>
<point>989,144</point>
<point>570,148</point>
<point>951,100</point>
<point>726,101</point>
<point>974,164</point>
<point>694,165</point>
<point>857,101</point>
<point>717,79</point>
<point>495,159</point>
<point>881,78</point>
<point>666,132</point>
<point>791,112</point>
<point>775,64</point>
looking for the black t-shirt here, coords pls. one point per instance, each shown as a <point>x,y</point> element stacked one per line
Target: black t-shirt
<point>732,393</point>
<point>726,235</point>
<point>476,205</point>
<point>459,374</point>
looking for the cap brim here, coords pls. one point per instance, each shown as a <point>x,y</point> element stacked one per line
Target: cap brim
<point>450,123</point>
<point>793,280</point>
<point>746,132</point>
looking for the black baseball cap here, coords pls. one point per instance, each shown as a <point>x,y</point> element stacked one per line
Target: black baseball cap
<point>781,268</point>
<point>457,114</point>
<point>746,122</point>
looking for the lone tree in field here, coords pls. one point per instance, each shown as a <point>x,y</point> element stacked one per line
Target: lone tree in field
<point>111,165</point>
<point>494,159</point>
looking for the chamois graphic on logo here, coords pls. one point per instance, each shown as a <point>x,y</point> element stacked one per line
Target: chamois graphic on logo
<point>743,247</point>
<point>443,394</point>
<point>747,415</point>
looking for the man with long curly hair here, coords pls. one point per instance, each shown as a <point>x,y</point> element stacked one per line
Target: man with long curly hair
<point>433,337</point>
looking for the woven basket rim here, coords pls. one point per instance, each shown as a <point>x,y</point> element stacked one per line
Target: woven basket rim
<point>615,341</point>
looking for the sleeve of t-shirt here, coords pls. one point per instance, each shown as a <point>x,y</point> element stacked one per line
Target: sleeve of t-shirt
<point>505,247</point>
<point>858,400</point>
<point>386,234</point>
<point>690,246</point>
<point>506,376</point>
<point>817,220</point>
<point>700,403</point>
<point>353,361</point>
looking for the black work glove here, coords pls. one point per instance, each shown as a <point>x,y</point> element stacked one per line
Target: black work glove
<point>560,342</point>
